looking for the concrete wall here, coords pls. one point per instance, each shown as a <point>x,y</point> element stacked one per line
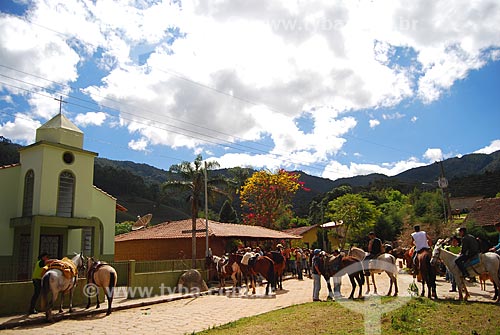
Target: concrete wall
<point>16,297</point>
<point>9,195</point>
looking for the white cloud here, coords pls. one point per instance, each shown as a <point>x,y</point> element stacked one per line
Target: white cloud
<point>494,146</point>
<point>433,154</point>
<point>414,119</point>
<point>374,123</point>
<point>393,116</point>
<point>336,170</point>
<point>138,145</point>
<point>90,118</point>
<point>22,129</point>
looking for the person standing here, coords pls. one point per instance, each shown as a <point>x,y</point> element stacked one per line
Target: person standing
<point>43,259</point>
<point>470,249</point>
<point>298,262</point>
<point>496,248</point>
<point>455,248</point>
<point>316,271</point>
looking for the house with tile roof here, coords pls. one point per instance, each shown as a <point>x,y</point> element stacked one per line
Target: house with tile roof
<point>485,212</point>
<point>48,202</point>
<point>173,240</point>
<point>309,235</point>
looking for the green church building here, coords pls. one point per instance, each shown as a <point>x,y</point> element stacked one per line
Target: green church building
<point>48,202</point>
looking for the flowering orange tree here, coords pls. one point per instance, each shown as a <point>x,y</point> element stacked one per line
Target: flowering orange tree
<point>266,197</point>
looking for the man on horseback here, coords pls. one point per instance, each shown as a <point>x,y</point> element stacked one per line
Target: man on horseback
<point>374,248</point>
<point>421,242</point>
<point>470,250</point>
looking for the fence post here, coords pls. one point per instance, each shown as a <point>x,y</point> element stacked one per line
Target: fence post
<point>131,276</point>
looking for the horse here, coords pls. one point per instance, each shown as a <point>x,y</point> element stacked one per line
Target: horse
<point>263,265</point>
<point>279,267</point>
<point>101,274</point>
<point>488,263</point>
<point>55,283</point>
<point>337,266</point>
<point>226,266</point>
<point>427,272</point>
<point>383,263</point>
<point>399,252</point>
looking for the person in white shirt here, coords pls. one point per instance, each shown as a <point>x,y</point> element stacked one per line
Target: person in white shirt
<point>421,242</point>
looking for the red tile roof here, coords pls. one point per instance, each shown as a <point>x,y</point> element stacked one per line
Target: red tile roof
<point>182,229</point>
<point>486,212</point>
<point>299,230</point>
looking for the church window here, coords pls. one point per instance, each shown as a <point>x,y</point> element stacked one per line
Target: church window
<point>29,184</point>
<point>66,194</point>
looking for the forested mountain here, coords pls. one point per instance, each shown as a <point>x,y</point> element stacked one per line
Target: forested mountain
<point>137,186</point>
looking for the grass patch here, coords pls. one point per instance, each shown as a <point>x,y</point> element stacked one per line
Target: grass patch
<point>418,316</point>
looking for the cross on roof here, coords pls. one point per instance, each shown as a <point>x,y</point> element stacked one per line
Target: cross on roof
<point>60,103</point>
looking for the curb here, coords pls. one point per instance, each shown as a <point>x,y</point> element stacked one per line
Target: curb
<point>77,314</point>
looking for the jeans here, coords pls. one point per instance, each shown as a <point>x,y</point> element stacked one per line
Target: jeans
<point>37,284</point>
<point>316,286</point>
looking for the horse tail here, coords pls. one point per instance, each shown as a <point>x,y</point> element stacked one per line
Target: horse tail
<point>44,292</point>
<point>271,274</point>
<point>112,281</point>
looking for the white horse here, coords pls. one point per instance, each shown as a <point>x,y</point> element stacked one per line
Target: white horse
<point>489,263</point>
<point>383,263</point>
<point>54,282</point>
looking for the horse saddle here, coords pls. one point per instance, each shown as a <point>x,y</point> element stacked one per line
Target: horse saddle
<point>64,265</point>
<point>93,269</point>
<point>473,261</point>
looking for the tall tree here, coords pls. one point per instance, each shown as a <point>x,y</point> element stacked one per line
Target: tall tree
<point>358,215</point>
<point>192,180</point>
<point>266,197</point>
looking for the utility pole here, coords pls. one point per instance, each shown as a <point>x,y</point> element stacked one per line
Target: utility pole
<point>443,185</point>
<point>206,209</point>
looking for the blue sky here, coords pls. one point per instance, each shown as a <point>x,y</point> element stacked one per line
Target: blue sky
<point>333,88</point>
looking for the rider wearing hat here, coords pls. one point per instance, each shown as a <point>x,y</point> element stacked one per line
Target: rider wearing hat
<point>470,250</point>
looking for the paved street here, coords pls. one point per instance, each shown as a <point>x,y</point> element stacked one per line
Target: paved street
<point>196,314</point>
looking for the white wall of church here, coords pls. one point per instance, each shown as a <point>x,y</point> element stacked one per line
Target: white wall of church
<point>9,194</point>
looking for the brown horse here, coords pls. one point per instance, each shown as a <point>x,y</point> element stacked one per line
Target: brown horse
<point>262,265</point>
<point>340,265</point>
<point>427,273</point>
<point>226,267</point>
<point>279,267</point>
<point>101,274</point>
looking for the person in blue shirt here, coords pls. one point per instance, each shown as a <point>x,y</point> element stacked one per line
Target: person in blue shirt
<point>496,248</point>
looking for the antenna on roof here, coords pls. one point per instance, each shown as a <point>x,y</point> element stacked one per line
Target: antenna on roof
<point>142,222</point>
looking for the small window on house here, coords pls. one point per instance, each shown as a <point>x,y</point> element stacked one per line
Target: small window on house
<point>66,194</point>
<point>29,184</point>
<point>68,158</point>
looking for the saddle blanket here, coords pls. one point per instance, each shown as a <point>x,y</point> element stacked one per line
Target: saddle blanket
<point>65,265</point>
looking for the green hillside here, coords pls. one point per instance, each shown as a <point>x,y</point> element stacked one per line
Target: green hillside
<point>137,186</point>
